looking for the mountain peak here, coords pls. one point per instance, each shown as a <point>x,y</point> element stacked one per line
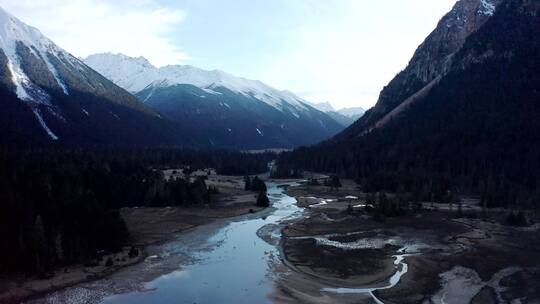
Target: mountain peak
<point>323,106</point>
<point>13,30</point>
<point>115,57</point>
<point>53,87</point>
<point>14,35</point>
<point>432,59</point>
<point>354,112</point>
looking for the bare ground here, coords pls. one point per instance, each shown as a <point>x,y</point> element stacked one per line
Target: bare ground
<point>16,288</point>
<point>494,254</point>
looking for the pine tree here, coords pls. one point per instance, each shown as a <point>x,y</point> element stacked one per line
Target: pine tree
<point>258,185</point>
<point>40,245</point>
<point>262,200</point>
<point>334,183</point>
<point>247,183</point>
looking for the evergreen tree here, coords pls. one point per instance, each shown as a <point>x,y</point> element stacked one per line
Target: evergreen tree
<point>40,245</point>
<point>262,200</point>
<point>333,182</point>
<point>247,183</point>
<point>257,185</point>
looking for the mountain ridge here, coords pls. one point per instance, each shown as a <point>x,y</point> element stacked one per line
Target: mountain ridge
<point>432,59</point>
<point>136,74</point>
<point>226,110</point>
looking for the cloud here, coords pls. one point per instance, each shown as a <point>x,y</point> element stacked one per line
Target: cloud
<point>84,27</point>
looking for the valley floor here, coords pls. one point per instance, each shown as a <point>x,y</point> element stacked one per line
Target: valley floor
<point>147,226</point>
<point>328,254</point>
<point>447,259</point>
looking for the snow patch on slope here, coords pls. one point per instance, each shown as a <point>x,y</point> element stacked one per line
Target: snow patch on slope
<point>44,124</point>
<point>486,8</point>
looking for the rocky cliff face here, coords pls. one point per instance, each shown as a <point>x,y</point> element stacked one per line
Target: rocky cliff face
<point>432,59</point>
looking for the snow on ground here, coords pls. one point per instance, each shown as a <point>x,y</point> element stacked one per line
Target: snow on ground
<point>44,124</point>
<point>486,8</point>
<point>461,284</point>
<point>55,74</point>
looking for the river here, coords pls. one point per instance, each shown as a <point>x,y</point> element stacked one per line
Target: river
<point>224,262</point>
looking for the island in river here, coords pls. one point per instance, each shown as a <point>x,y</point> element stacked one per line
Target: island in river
<point>311,247</point>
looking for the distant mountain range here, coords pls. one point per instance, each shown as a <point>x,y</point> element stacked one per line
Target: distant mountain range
<point>221,108</point>
<point>49,96</point>
<point>345,116</point>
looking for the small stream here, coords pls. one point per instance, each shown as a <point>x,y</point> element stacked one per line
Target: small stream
<point>224,262</point>
<point>402,269</point>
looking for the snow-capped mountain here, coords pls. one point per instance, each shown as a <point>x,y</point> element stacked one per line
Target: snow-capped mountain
<point>223,110</point>
<point>345,116</point>
<point>49,95</point>
<point>323,106</point>
<point>136,74</point>
<point>354,113</point>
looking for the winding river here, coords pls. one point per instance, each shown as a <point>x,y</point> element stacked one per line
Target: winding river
<point>223,262</point>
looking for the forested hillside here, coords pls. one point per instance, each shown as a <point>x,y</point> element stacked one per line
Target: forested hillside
<point>61,207</point>
<point>476,131</point>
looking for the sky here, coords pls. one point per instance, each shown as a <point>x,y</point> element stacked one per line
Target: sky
<point>338,51</point>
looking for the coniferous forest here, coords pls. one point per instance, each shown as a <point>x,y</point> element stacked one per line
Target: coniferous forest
<point>476,132</point>
<point>59,207</point>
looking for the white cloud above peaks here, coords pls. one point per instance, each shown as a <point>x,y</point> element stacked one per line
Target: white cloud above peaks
<point>84,27</point>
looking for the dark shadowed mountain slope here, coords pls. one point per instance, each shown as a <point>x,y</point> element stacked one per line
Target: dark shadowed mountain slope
<point>432,60</point>
<point>476,129</point>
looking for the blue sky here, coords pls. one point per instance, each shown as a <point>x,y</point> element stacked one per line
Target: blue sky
<point>341,51</point>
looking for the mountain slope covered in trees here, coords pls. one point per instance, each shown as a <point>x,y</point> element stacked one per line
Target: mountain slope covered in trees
<point>432,60</point>
<point>475,130</point>
<point>59,207</point>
